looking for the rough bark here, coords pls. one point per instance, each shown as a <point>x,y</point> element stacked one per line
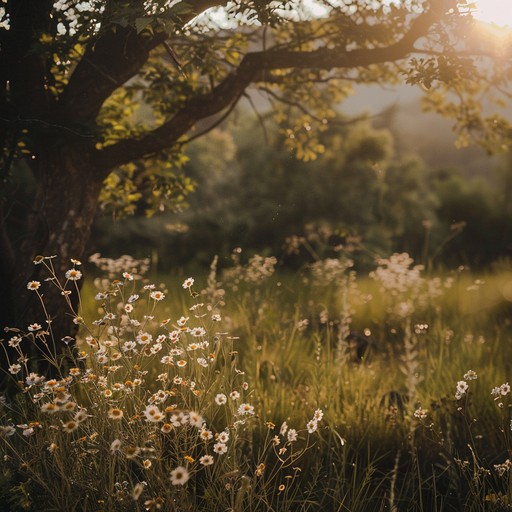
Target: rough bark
<point>60,224</point>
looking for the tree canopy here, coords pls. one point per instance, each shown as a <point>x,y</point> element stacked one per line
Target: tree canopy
<point>98,98</point>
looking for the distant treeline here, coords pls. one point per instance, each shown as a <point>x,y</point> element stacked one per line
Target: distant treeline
<point>354,194</point>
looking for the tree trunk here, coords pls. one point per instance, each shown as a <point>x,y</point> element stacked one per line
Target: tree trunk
<point>59,225</point>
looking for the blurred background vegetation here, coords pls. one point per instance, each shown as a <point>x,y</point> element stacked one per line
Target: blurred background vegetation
<point>375,184</point>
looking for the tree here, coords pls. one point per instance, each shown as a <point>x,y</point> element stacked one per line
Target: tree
<point>98,98</point>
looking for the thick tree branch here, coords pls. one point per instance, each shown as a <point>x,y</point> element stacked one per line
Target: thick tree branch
<point>254,68</point>
<point>110,61</point>
<point>105,66</point>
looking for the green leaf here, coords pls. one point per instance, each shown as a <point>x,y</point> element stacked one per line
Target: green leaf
<point>180,8</point>
<point>142,23</point>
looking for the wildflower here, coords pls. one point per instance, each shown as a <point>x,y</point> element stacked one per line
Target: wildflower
<point>70,426</point>
<point>7,430</point>
<point>128,346</point>
<point>50,408</point>
<point>157,295</point>
<point>81,415</point>
<point>462,387</point>
<point>166,428</point>
<point>179,476</point>
<point>221,399</point>
<point>128,276</point>
<point>216,317</point>
<point>14,368</point>
<point>128,308</point>
<point>284,428</point>
<point>276,441</point>
<point>234,395</point>
<point>114,357</point>
<point>501,469</point>
<point>302,324</point>
<point>115,413</point>
<point>137,491</point>
<point>146,463</point>
<point>420,413</point>
<point>154,349</point>
<point>312,426</point>
<point>179,419</point>
<point>260,469</point>
<point>28,431</point>
<point>69,406</point>
<point>51,384</point>
<point>160,396</point>
<point>206,460</point>
<point>505,389</point>
<point>102,358</point>
<point>245,409</point>
<point>34,327</point>
<point>144,338</point>
<point>74,372</point>
<point>182,321</point>
<point>223,437</point>
<point>153,413</point>
<point>52,448</point>
<point>220,448</point>
<point>470,375</point>
<point>174,336</point>
<point>167,360</point>
<point>14,341</point>
<point>202,362</point>
<point>292,435</point>
<point>318,415</point>
<point>155,504</point>
<point>197,332</point>
<point>205,434</point>
<point>133,298</point>
<point>115,446</point>
<point>34,379</point>
<point>33,285</point>
<point>73,274</point>
<point>195,419</point>
<point>181,363</point>
<point>132,452</point>
<point>188,458</point>
<point>188,283</point>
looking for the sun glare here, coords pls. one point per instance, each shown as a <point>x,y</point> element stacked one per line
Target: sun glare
<point>497,12</point>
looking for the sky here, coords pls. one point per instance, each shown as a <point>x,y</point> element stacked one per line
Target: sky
<point>498,12</point>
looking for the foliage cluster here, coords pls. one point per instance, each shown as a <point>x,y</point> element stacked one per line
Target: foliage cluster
<point>359,195</point>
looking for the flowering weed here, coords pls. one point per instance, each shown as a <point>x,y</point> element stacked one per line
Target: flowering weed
<point>151,413</point>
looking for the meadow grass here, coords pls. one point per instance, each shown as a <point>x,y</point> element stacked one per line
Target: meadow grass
<point>248,390</point>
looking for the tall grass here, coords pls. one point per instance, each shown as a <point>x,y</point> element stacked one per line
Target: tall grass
<point>252,392</point>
